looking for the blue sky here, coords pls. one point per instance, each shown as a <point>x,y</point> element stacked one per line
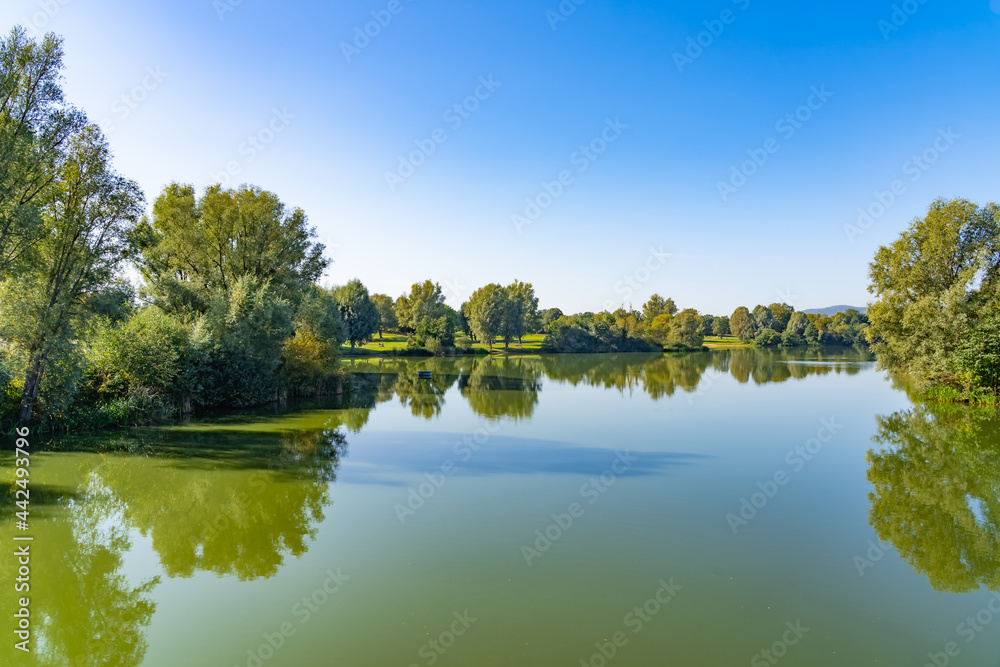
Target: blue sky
<point>585,111</point>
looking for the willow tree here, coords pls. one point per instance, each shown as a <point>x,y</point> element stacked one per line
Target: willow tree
<point>35,126</point>
<point>87,212</point>
<point>933,286</point>
<point>196,247</point>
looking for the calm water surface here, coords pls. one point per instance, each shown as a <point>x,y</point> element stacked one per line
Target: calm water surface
<point>732,507</point>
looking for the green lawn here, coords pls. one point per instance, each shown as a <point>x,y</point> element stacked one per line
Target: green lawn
<point>530,344</point>
<point>723,341</point>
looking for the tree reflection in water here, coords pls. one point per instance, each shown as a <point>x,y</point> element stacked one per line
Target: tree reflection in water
<point>937,493</point>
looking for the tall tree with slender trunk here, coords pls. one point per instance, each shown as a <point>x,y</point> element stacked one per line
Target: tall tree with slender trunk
<point>87,211</point>
<point>35,126</point>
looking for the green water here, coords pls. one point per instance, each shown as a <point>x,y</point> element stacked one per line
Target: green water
<point>690,510</point>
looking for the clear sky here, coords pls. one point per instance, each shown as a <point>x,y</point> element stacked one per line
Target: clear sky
<point>622,122</point>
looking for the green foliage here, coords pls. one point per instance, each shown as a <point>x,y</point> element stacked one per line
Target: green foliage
<point>686,330</point>
<point>549,316</point>
<point>116,301</point>
<point>434,335</point>
<point>790,338</point>
<point>797,323</point>
<point>521,302</point>
<point>763,318</point>
<point>811,334</point>
<point>387,319</point>
<point>88,213</point>
<point>935,494</point>
<point>244,334</point>
<point>658,330</point>
<point>977,359</point>
<point>931,286</point>
<point>720,326</point>
<point>426,300</point>
<point>781,313</point>
<point>767,338</point>
<point>194,248</point>
<point>620,331</point>
<point>657,306</point>
<point>358,312</point>
<point>36,126</point>
<point>142,353</point>
<point>742,324</point>
<point>707,323</point>
<point>487,309</point>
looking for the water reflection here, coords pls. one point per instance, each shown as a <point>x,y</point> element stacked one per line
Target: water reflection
<point>233,499</point>
<point>510,387</point>
<point>239,496</point>
<point>937,493</point>
<point>84,610</point>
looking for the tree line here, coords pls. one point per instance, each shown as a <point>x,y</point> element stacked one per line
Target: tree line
<point>228,309</point>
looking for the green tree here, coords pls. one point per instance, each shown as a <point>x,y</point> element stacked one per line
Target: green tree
<point>742,324</point>
<point>797,323</point>
<point>657,306</point>
<point>781,314</point>
<point>685,330</point>
<point>359,313</point>
<point>309,357</point>
<point>386,313</point>
<point>932,284</point>
<point>463,320</point>
<point>763,318</point>
<point>425,300</point>
<point>524,295</point>
<point>720,326</point>
<point>193,248</point>
<point>657,330</point>
<point>36,127</point>
<point>242,336</point>
<point>487,307</point>
<point>549,316</point>
<point>88,212</point>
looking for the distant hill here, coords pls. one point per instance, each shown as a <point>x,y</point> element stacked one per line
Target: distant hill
<point>833,310</point>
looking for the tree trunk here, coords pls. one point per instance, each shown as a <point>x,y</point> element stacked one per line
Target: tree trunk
<point>32,384</point>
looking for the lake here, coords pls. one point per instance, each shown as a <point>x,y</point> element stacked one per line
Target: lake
<point>731,507</point>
